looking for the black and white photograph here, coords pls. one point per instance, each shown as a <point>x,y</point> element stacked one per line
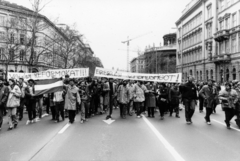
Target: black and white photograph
<point>119,80</point>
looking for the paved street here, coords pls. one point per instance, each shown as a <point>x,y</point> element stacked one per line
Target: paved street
<point>129,139</point>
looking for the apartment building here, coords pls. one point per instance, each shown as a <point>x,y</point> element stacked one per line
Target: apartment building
<point>227,38</point>
<point>15,41</point>
<point>208,40</point>
<point>195,39</point>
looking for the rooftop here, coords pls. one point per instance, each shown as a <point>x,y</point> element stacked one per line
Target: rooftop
<point>162,48</point>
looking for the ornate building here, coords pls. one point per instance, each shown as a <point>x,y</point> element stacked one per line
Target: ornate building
<point>204,49</point>
<point>162,59</point>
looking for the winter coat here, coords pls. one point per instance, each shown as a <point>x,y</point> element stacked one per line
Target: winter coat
<point>72,98</point>
<point>4,92</point>
<point>123,94</point>
<point>209,94</point>
<point>14,96</point>
<point>150,96</point>
<point>138,93</point>
<point>231,96</point>
<point>174,96</point>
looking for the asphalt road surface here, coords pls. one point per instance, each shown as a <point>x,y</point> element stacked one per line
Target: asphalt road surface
<point>143,139</point>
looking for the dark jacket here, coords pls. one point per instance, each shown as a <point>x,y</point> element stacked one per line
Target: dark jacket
<point>4,91</point>
<point>174,96</point>
<point>209,94</point>
<point>188,91</point>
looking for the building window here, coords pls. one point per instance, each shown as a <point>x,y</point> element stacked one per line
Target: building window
<point>228,3</point>
<point>228,23</point>
<point>207,74</point>
<point>201,75</point>
<point>234,45</point>
<point>12,38</point>
<point>21,55</point>
<point>221,5</point>
<point>227,75</point>
<point>209,11</point>
<point>227,46</point>
<point>222,48</point>
<point>1,53</point>
<point>211,74</point>
<point>239,42</point>
<point>2,36</point>
<point>234,20</point>
<point>11,54</point>
<point>209,30</point>
<point>22,39</point>
<point>234,73</point>
<point>221,25</point>
<point>2,20</point>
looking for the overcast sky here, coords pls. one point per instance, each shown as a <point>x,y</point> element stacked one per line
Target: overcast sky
<point>106,23</point>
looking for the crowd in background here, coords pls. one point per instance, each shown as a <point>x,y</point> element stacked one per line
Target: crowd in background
<point>97,96</point>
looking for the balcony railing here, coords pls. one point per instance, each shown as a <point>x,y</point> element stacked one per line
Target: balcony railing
<point>226,58</point>
<point>221,35</point>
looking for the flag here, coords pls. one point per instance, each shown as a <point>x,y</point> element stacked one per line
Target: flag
<point>48,86</point>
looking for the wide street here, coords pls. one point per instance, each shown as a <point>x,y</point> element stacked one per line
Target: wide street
<point>129,139</point>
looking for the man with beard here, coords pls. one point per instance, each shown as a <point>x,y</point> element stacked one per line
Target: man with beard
<point>189,96</point>
<point>123,98</point>
<point>208,92</point>
<point>3,100</point>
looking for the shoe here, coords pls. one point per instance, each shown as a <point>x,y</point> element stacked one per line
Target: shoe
<point>130,114</point>
<point>162,118</point>
<point>81,122</point>
<point>170,115</point>
<point>15,126</point>
<point>153,116</point>
<point>20,119</point>
<point>28,122</point>
<point>209,123</point>
<point>138,116</point>
<point>177,116</point>
<point>188,122</point>
<point>201,111</point>
<point>149,116</point>
<point>10,128</point>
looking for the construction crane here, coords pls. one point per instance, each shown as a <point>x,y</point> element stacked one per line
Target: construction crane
<point>128,42</point>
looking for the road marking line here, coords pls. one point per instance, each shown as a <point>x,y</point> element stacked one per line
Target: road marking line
<point>64,129</point>
<point>164,141</point>
<point>225,125</point>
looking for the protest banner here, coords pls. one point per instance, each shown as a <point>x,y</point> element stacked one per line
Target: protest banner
<point>50,74</point>
<point>167,78</point>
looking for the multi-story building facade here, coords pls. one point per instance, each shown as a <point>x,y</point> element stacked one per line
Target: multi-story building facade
<point>15,43</point>
<point>195,38</point>
<point>227,37</point>
<point>137,64</point>
<point>18,51</point>
<point>162,59</point>
<point>203,37</point>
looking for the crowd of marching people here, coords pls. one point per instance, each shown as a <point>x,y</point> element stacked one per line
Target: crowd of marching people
<point>91,97</point>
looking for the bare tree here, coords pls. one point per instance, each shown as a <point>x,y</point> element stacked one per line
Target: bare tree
<point>12,44</point>
<point>70,51</point>
<point>38,43</point>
